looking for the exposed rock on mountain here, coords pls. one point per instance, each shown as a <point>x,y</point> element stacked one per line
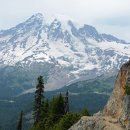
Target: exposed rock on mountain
<point>68,51</point>
<point>116,114</point>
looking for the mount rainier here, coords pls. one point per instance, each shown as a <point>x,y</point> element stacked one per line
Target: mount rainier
<point>60,50</point>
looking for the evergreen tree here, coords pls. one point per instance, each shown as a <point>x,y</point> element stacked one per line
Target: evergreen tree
<point>20,121</point>
<point>66,102</point>
<point>45,110</point>
<point>46,106</point>
<point>39,101</point>
<point>57,105</point>
<point>55,113</point>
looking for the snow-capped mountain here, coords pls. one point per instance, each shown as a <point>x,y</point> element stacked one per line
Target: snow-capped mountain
<point>73,52</point>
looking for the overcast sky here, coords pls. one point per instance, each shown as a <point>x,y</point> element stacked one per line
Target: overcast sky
<point>108,16</point>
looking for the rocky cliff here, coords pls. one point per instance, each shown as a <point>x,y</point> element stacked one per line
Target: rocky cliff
<point>116,113</point>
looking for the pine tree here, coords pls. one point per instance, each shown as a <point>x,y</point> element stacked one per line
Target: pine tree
<point>66,103</point>
<point>61,105</point>
<point>45,111</point>
<point>55,112</point>
<point>39,101</point>
<point>20,121</point>
<point>58,105</point>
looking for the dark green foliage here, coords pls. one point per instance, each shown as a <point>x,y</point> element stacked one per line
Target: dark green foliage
<point>54,117</point>
<point>84,112</point>
<point>127,90</point>
<point>56,111</point>
<point>20,121</point>
<point>51,120</point>
<point>67,121</point>
<point>38,106</point>
<point>45,109</point>
<point>64,122</point>
<point>52,112</point>
<point>57,105</point>
<point>39,126</point>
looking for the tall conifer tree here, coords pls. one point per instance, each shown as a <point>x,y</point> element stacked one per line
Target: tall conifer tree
<point>20,121</point>
<point>39,101</point>
<point>66,102</point>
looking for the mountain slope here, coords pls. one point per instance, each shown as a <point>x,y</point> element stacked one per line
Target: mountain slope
<point>73,53</point>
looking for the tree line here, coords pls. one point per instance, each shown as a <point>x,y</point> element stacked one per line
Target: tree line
<point>51,114</point>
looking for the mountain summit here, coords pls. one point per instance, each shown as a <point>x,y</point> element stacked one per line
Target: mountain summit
<point>67,51</point>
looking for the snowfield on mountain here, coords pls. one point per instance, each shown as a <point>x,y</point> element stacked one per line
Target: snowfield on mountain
<point>75,52</point>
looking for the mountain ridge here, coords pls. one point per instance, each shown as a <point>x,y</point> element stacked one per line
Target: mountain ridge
<point>74,52</point>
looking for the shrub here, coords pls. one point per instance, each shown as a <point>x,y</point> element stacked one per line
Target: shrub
<point>127,90</point>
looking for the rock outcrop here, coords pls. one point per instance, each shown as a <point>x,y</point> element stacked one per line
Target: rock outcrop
<point>116,113</point>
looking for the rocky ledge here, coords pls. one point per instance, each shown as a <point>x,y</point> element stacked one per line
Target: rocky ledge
<point>116,113</point>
